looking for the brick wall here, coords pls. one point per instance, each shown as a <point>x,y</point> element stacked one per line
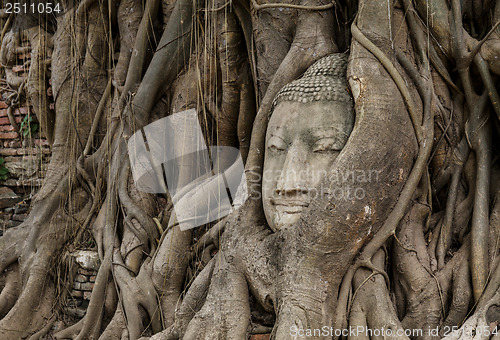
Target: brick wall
<point>25,155</point>
<point>88,264</point>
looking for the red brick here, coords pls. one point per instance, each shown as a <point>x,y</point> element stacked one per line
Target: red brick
<point>7,128</point>
<point>8,152</point>
<point>17,112</point>
<point>3,105</point>
<point>92,278</point>
<point>49,92</point>
<point>260,337</point>
<point>86,272</point>
<point>12,144</point>
<point>24,110</point>
<point>6,121</point>
<point>9,135</point>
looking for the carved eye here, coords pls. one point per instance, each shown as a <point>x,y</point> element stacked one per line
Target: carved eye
<point>326,145</point>
<point>276,144</point>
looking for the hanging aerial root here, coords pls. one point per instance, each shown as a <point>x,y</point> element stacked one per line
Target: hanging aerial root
<point>446,230</point>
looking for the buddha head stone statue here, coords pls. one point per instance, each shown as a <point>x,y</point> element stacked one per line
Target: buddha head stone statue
<point>310,122</point>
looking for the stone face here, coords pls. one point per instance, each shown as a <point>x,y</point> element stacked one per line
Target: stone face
<point>87,259</point>
<point>8,197</point>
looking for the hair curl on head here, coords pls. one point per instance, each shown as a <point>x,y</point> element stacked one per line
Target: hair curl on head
<point>325,80</point>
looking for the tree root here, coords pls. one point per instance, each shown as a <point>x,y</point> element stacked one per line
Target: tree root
<point>372,307</point>
<point>11,290</point>
<point>478,326</point>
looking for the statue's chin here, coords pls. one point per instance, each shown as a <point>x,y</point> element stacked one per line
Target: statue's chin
<point>285,219</point>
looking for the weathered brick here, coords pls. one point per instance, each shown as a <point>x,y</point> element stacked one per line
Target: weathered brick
<point>29,151</point>
<point>87,295</point>
<point>21,208</point>
<point>49,92</point>
<point>19,217</point>
<point>11,159</point>
<point>41,142</point>
<point>92,278</point>
<point>86,286</point>
<point>77,293</point>
<point>8,152</point>
<point>6,121</point>
<point>86,272</point>
<point>7,128</point>
<point>12,144</point>
<point>9,135</point>
<point>3,105</point>
<point>81,278</point>
<point>24,110</point>
<point>10,182</point>
<point>8,197</point>
<point>77,285</point>
<point>260,337</point>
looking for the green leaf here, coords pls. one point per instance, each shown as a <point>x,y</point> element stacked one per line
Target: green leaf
<point>4,171</point>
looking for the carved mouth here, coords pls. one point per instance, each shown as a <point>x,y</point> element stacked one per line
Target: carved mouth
<point>290,206</point>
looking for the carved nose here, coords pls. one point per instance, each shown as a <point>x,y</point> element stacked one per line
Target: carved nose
<point>293,177</point>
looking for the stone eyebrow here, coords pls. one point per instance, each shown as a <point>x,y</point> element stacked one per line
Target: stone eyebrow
<point>276,135</point>
<point>328,132</point>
